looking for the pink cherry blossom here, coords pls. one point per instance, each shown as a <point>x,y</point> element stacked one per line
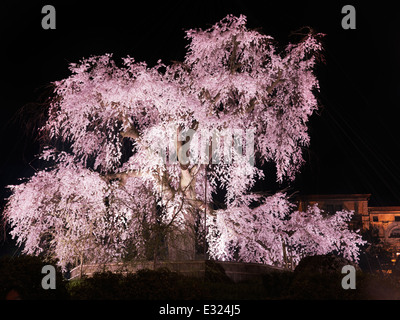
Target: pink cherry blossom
<point>108,189</point>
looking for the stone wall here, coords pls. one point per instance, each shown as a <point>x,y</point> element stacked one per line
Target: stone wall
<point>236,271</point>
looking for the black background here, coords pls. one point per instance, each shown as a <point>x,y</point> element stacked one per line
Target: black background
<point>354,136</point>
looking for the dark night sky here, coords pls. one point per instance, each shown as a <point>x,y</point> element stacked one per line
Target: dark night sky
<point>354,139</point>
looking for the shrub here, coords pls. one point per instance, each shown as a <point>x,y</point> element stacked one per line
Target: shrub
<point>143,285</point>
<point>277,284</point>
<point>23,276</point>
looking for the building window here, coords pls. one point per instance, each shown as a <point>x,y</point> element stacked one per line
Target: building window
<point>338,207</point>
<point>395,233</point>
<point>333,208</point>
<point>375,219</point>
<point>397,218</point>
<point>329,208</point>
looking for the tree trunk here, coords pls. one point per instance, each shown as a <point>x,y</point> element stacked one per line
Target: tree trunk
<point>81,267</point>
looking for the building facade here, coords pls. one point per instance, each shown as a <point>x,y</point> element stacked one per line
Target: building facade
<point>386,220</point>
<point>383,221</point>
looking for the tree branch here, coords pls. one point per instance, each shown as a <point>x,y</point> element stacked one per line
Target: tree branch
<point>131,132</point>
<point>121,176</point>
<point>276,82</point>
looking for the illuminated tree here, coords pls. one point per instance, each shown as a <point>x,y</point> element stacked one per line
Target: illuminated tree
<point>138,152</point>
